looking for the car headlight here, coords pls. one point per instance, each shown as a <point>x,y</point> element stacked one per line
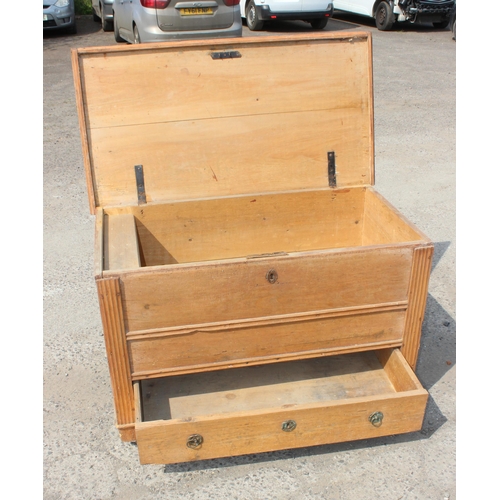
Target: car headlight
<point>62,3</point>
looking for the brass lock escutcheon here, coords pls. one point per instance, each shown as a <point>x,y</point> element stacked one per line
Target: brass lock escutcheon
<point>194,441</point>
<point>288,425</point>
<point>376,418</point>
<point>272,276</point>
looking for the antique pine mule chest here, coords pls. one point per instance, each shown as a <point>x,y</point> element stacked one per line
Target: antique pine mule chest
<point>256,292</point>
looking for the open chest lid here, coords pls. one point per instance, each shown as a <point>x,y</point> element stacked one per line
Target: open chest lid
<point>212,118</point>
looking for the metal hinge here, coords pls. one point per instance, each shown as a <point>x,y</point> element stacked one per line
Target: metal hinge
<point>332,175</point>
<point>139,180</point>
<point>230,54</point>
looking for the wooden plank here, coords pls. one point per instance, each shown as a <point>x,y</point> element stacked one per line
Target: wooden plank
<point>398,370</point>
<point>248,225</point>
<point>116,350</point>
<point>82,122</point>
<point>187,159</point>
<point>138,402</point>
<point>201,141</point>
<point>417,299</point>
<point>202,346</point>
<point>121,244</point>
<point>99,243</point>
<point>230,290</point>
<point>383,224</point>
<point>191,85</point>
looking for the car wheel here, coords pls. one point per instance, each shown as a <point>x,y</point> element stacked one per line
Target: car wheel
<point>319,24</point>
<point>454,30</point>
<point>253,22</point>
<point>137,38</point>
<point>441,25</point>
<point>106,24</point>
<point>384,18</point>
<point>118,38</point>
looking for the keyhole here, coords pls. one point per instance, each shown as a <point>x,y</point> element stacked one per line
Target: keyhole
<point>272,276</point>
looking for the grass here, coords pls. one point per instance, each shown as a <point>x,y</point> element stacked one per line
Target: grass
<point>83,7</point>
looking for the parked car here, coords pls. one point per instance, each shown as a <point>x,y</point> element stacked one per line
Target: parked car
<point>59,15</point>
<point>453,23</point>
<point>257,12</point>
<point>102,10</point>
<point>387,12</point>
<point>137,21</point>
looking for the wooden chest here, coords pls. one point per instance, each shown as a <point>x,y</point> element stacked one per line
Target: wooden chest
<point>256,292</point>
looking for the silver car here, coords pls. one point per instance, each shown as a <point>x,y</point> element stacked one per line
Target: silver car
<point>137,21</point>
<point>102,10</point>
<point>59,15</point>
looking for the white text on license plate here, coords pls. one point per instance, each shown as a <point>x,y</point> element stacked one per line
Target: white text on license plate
<point>197,11</point>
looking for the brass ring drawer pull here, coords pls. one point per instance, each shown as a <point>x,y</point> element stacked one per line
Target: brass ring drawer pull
<point>376,418</point>
<point>272,276</point>
<point>288,425</point>
<point>194,441</point>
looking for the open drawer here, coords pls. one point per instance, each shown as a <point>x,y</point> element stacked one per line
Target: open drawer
<point>277,406</point>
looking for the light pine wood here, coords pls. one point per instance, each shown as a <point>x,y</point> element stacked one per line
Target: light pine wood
<point>263,387</point>
<point>121,244</point>
<point>82,122</point>
<point>397,370</point>
<point>208,346</point>
<point>238,289</point>
<point>328,411</point>
<point>384,224</point>
<point>185,160</point>
<point>417,299</point>
<point>127,432</point>
<point>207,128</point>
<point>99,243</point>
<point>243,226</point>
<point>116,351</point>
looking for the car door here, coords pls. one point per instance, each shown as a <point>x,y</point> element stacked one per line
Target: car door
<point>364,7</point>
<point>123,18</point>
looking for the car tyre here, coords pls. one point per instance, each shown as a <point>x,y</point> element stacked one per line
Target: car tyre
<point>106,24</point>
<point>118,38</point>
<point>319,24</point>
<point>253,22</point>
<point>384,18</point>
<point>137,38</point>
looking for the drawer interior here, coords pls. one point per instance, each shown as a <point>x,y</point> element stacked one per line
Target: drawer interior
<point>249,226</point>
<point>278,385</point>
<point>278,406</point>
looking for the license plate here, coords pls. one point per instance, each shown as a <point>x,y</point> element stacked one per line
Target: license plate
<point>45,17</point>
<point>197,11</point>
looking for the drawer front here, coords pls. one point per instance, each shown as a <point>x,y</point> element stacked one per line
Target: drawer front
<point>261,288</point>
<point>371,401</point>
<point>210,346</point>
<point>238,435</point>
